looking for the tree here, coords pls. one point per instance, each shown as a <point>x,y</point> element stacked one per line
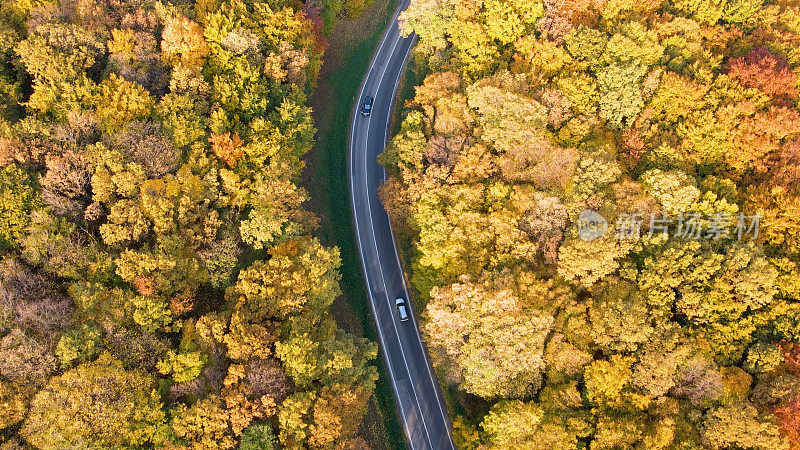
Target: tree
<point>607,381</point>
<point>512,423</point>
<point>145,144</point>
<point>340,358</point>
<point>126,409</point>
<point>787,419</point>
<point>675,191</point>
<point>510,120</point>
<point>17,198</point>
<point>586,262</point>
<point>182,42</point>
<point>169,268</point>
<point>684,110</point>
<point>79,345</point>
<point>485,337</point>
<point>662,428</point>
<point>245,339</point>
<point>620,93</point>
<point>25,359</point>
<point>620,319</point>
<point>759,138</point>
<point>740,424</point>
<point>320,420</point>
<point>220,260</point>
<point>429,18</point>
<point>156,139</point>
<point>57,56</point>
<point>28,300</point>
<point>293,430</point>
<point>119,101</point>
<point>267,377</point>
<point>585,43</point>
<point>301,275</point>
<point>135,56</point>
<point>227,148</point>
<point>184,366</point>
<point>698,380</point>
<point>67,175</point>
<point>763,357</point>
<point>204,425</point>
<point>258,436</point>
<point>13,405</point>
<point>763,70</point>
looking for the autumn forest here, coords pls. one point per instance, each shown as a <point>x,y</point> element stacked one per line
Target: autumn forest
<point>598,200</point>
<point>160,286</point>
<point>679,329</point>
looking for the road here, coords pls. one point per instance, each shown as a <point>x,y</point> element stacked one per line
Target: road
<point>418,399</point>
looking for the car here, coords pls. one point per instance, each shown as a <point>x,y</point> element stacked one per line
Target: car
<point>401,309</point>
<point>366,107</point>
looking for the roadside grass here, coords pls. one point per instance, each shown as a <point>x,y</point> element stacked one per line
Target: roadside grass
<point>352,43</point>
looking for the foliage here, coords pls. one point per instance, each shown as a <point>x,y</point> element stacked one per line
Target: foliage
<point>257,437</point>
<point>486,339</point>
<point>534,116</point>
<point>159,285</point>
<point>17,199</point>
<point>126,408</point>
<point>79,345</point>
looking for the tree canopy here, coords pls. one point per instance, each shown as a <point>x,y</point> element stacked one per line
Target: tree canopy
<point>602,200</point>
<point>160,286</point>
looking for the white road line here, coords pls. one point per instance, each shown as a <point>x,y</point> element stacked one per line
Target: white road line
<point>358,234</point>
<point>400,265</point>
<point>377,255</point>
<point>364,267</point>
<point>377,251</point>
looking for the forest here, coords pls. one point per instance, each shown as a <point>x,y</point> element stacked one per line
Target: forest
<point>160,283</point>
<point>677,123</point>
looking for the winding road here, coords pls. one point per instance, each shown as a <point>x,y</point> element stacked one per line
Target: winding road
<point>416,389</point>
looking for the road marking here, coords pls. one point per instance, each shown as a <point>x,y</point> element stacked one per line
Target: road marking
<point>377,254</point>
<point>400,265</point>
<point>358,235</point>
<point>356,114</point>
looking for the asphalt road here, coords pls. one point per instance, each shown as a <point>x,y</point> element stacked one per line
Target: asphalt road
<point>418,399</point>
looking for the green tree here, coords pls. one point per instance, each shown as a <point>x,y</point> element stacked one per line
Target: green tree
<point>620,93</point>
<point>258,436</point>
<point>79,345</point>
<point>300,275</point>
<point>513,424</point>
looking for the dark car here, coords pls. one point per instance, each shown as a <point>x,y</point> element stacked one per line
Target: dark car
<point>366,108</point>
<point>401,308</point>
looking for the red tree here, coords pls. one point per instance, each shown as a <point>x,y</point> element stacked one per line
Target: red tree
<point>762,70</point>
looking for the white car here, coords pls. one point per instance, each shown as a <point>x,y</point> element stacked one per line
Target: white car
<point>401,309</point>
